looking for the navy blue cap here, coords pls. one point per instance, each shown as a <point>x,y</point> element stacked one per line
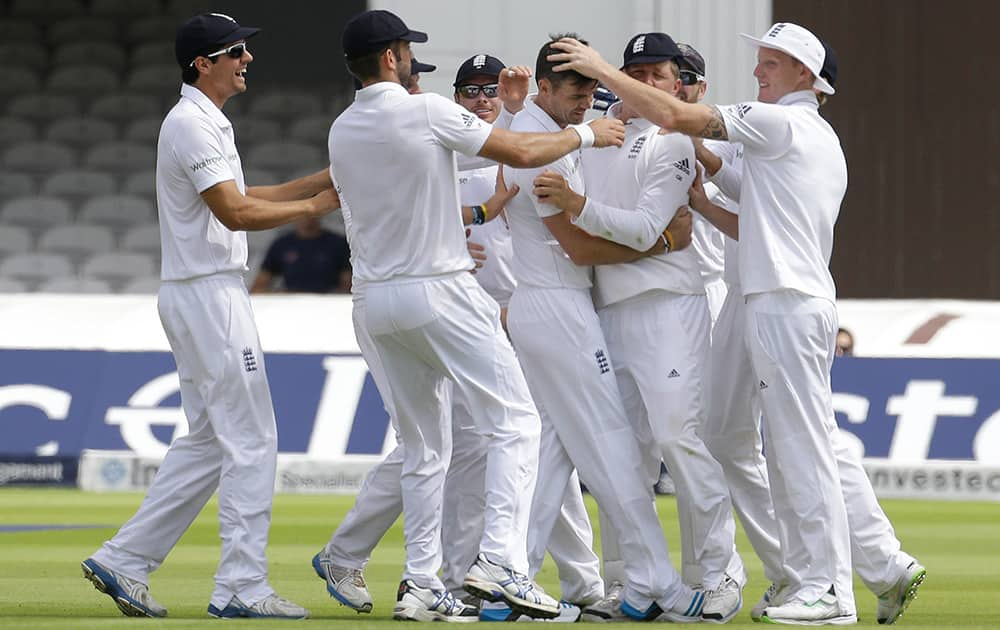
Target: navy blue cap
<point>369,31</point>
<point>205,33</point>
<point>829,69</point>
<point>478,65</point>
<point>419,68</point>
<point>691,59</point>
<point>650,48</point>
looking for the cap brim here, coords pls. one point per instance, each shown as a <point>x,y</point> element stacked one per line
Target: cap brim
<point>650,59</point>
<point>417,68</point>
<point>243,32</point>
<point>820,83</point>
<point>414,36</point>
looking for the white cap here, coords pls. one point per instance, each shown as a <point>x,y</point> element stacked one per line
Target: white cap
<point>798,42</point>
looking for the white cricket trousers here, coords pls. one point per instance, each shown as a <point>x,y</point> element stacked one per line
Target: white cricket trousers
<point>231,443</point>
<point>425,330</point>
<point>732,433</point>
<point>566,359</point>
<point>659,341</point>
<point>790,336</point>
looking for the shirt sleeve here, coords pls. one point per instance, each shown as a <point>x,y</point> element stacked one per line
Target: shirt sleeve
<point>762,128</point>
<point>455,127</point>
<point>198,150</point>
<point>665,180</point>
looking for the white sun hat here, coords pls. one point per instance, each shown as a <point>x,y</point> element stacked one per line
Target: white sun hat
<point>798,42</point>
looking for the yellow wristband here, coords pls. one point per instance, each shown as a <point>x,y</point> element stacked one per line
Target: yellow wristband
<point>486,212</point>
<point>668,240</point>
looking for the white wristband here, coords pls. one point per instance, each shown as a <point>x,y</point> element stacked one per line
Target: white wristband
<point>586,135</point>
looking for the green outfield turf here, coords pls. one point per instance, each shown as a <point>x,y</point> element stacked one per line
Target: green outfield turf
<point>41,584</point>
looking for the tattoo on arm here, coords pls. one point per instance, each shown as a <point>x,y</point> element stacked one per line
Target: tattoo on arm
<point>716,127</point>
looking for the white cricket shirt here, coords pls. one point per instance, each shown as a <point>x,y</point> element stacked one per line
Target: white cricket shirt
<point>392,158</point>
<point>495,276</point>
<point>195,151</point>
<point>794,179</point>
<point>539,259</point>
<point>632,194</point>
<point>723,189</point>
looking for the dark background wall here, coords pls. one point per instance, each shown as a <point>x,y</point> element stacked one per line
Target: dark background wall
<point>917,113</point>
<point>299,43</point>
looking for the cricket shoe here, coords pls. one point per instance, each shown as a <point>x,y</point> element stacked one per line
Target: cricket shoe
<point>271,607</point>
<point>494,582</point>
<point>607,610</point>
<point>892,603</point>
<point>824,611</point>
<point>345,585</point>
<point>415,603</point>
<point>724,602</point>
<point>773,596</point>
<point>131,596</point>
<point>500,611</point>
<point>686,610</point>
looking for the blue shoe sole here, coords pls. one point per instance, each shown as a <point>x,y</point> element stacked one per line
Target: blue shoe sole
<point>318,568</point>
<point>106,583</point>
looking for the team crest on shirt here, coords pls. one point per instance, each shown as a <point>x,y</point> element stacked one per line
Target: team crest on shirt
<point>636,147</point>
<point>602,362</point>
<point>249,361</point>
<point>683,166</point>
<point>742,109</point>
<point>469,120</point>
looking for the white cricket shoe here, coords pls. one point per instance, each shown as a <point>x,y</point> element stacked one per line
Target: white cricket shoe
<point>271,607</point>
<point>607,610</point>
<point>344,584</point>
<point>415,603</point>
<point>724,602</point>
<point>131,596</point>
<point>824,611</point>
<point>500,611</point>
<point>773,596</point>
<point>892,603</point>
<point>686,610</point>
<point>494,582</point>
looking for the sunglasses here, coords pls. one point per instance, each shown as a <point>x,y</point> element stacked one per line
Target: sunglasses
<point>690,78</point>
<point>472,90</point>
<point>235,52</point>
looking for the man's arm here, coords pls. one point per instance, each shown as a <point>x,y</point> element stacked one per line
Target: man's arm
<point>723,220</point>
<point>533,150</point>
<point>495,204</point>
<point>693,119</point>
<point>584,249</point>
<point>301,188</point>
<point>237,211</point>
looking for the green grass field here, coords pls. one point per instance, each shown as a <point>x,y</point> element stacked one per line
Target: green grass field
<point>41,584</point>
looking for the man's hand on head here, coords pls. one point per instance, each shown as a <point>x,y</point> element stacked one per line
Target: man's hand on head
<point>514,83</point>
<point>580,57</point>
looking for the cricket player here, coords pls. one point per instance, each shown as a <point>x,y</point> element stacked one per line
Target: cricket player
<point>655,319</point>
<point>555,328</point>
<point>231,446</point>
<point>428,319</point>
<point>793,183</point>
<point>733,435</point>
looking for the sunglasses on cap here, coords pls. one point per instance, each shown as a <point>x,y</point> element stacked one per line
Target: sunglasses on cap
<point>690,78</point>
<point>235,52</point>
<point>472,90</point>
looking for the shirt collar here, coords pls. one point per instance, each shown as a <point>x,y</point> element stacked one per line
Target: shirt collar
<point>378,89</point>
<point>536,112</point>
<point>802,97</point>
<point>205,104</point>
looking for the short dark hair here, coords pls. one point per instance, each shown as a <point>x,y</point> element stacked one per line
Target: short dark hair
<point>543,67</point>
<point>366,66</point>
<point>190,74</point>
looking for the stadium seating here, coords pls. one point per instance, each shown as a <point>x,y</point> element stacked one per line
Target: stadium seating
<point>10,285</point>
<point>117,268</point>
<point>143,285</point>
<point>80,131</point>
<point>36,212</point>
<point>14,239</point>
<point>16,185</point>
<point>74,284</point>
<point>77,241</point>
<point>144,239</point>
<point>118,211</point>
<point>43,106</point>
<point>34,267</point>
<point>108,54</point>
<point>14,129</point>
<point>77,184</point>
<point>39,157</point>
